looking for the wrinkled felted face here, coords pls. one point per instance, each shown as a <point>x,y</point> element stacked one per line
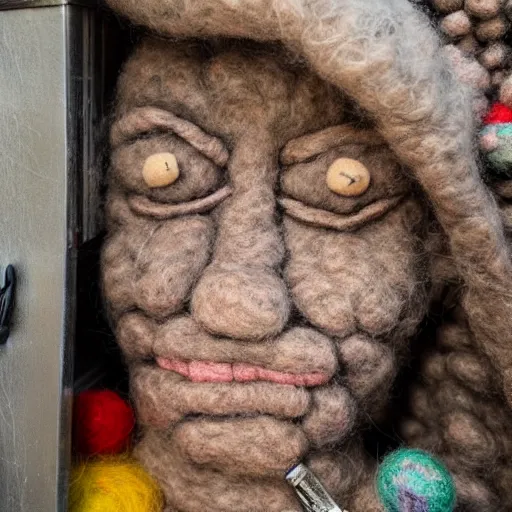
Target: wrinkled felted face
<point>264,271</point>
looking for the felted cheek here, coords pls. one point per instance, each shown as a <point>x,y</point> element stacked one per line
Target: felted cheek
<point>154,268</point>
<point>331,417</point>
<point>370,369</point>
<point>332,275</point>
<point>160,170</point>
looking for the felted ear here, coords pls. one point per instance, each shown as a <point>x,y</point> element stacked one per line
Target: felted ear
<point>385,55</point>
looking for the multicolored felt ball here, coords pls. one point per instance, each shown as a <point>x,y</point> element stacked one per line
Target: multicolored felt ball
<point>411,480</point>
<point>102,423</point>
<point>496,139</point>
<point>113,484</point>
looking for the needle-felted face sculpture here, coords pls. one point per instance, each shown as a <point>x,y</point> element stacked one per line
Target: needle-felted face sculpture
<point>272,237</point>
<point>265,268</point>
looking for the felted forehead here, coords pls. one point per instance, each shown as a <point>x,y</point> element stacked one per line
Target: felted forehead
<point>230,89</point>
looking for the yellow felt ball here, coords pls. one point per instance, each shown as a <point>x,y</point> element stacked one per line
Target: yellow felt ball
<point>348,177</point>
<point>114,484</point>
<point>160,170</point>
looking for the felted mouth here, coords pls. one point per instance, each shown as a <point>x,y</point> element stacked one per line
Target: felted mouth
<point>341,222</point>
<point>215,372</point>
<point>164,398</point>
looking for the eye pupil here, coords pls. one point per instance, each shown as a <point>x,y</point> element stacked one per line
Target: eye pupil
<point>160,170</point>
<point>348,177</point>
<point>351,178</point>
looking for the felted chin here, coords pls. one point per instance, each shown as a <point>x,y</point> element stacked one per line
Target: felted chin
<point>235,428</point>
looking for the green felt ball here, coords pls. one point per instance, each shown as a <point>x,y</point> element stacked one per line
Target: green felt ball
<point>413,480</point>
<point>500,157</point>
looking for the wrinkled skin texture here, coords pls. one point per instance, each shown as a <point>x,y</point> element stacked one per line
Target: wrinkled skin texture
<point>264,327</point>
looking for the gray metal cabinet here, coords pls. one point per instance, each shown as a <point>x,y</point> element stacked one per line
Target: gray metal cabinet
<point>50,99</point>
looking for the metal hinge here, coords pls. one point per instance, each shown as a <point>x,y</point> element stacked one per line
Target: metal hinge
<point>7,303</point>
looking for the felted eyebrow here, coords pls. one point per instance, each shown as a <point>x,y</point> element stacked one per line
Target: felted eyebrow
<point>142,120</point>
<point>313,144</point>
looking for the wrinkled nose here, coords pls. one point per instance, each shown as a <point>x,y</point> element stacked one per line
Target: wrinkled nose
<point>241,302</point>
<point>240,294</point>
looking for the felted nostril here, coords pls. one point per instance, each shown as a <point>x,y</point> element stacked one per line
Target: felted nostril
<point>241,302</point>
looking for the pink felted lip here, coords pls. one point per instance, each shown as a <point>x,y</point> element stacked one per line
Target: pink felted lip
<point>209,371</point>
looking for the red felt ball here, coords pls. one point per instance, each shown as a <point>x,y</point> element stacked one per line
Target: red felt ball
<point>102,423</point>
<point>499,113</point>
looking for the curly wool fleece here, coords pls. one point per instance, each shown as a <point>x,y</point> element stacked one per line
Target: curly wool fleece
<point>259,335</point>
<point>479,29</point>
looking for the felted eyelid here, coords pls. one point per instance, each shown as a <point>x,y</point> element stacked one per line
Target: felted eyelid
<point>149,119</point>
<point>340,222</point>
<point>313,144</point>
<point>142,205</point>
<point>343,180</point>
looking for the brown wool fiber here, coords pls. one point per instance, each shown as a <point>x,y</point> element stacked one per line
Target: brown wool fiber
<point>494,56</point>
<point>494,28</point>
<point>469,45</point>
<point>469,71</point>
<point>456,24</point>
<point>448,6</point>
<point>497,78</point>
<point>506,91</point>
<point>239,261</point>
<point>370,369</point>
<point>483,9</point>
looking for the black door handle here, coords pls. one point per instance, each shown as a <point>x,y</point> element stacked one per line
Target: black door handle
<point>7,303</point>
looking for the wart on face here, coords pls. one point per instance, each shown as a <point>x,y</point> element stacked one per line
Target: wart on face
<point>264,267</point>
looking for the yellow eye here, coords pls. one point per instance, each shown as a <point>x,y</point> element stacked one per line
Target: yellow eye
<point>160,170</point>
<point>348,177</point>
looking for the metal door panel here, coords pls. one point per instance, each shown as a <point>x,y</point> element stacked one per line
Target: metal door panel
<point>36,227</point>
